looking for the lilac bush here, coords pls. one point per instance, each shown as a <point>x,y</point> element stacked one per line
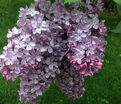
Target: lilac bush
<point>52,43</point>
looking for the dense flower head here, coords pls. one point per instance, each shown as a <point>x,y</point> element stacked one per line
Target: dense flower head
<point>93,7</point>
<point>53,43</point>
<point>86,43</point>
<point>71,82</point>
<point>33,84</point>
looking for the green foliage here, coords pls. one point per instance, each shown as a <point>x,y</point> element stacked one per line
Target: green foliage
<point>68,1</point>
<point>119,9</point>
<point>118,27</point>
<point>109,4</point>
<point>118,2</point>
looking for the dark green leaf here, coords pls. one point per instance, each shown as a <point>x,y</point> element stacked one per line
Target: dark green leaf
<point>117,29</point>
<point>119,9</point>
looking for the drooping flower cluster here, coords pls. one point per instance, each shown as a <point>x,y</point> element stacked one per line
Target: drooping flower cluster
<point>54,43</point>
<point>71,82</point>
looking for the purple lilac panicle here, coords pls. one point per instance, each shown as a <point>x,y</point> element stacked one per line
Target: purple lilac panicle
<point>46,36</point>
<point>86,43</point>
<point>71,82</point>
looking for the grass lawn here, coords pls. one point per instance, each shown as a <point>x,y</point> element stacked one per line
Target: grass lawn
<point>102,88</point>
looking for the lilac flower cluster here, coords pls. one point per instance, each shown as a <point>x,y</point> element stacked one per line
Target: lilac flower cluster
<point>54,43</point>
<point>93,7</point>
<point>71,82</point>
<point>86,43</point>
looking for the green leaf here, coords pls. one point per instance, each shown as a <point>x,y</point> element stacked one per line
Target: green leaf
<point>118,2</point>
<point>117,29</point>
<point>119,9</point>
<point>69,1</point>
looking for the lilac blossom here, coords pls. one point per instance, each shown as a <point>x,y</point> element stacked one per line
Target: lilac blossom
<point>87,44</point>
<point>53,43</point>
<point>71,82</point>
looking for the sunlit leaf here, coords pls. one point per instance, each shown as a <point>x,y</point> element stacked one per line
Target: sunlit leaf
<point>118,2</point>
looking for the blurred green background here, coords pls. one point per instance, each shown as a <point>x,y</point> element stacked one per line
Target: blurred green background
<point>103,88</point>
